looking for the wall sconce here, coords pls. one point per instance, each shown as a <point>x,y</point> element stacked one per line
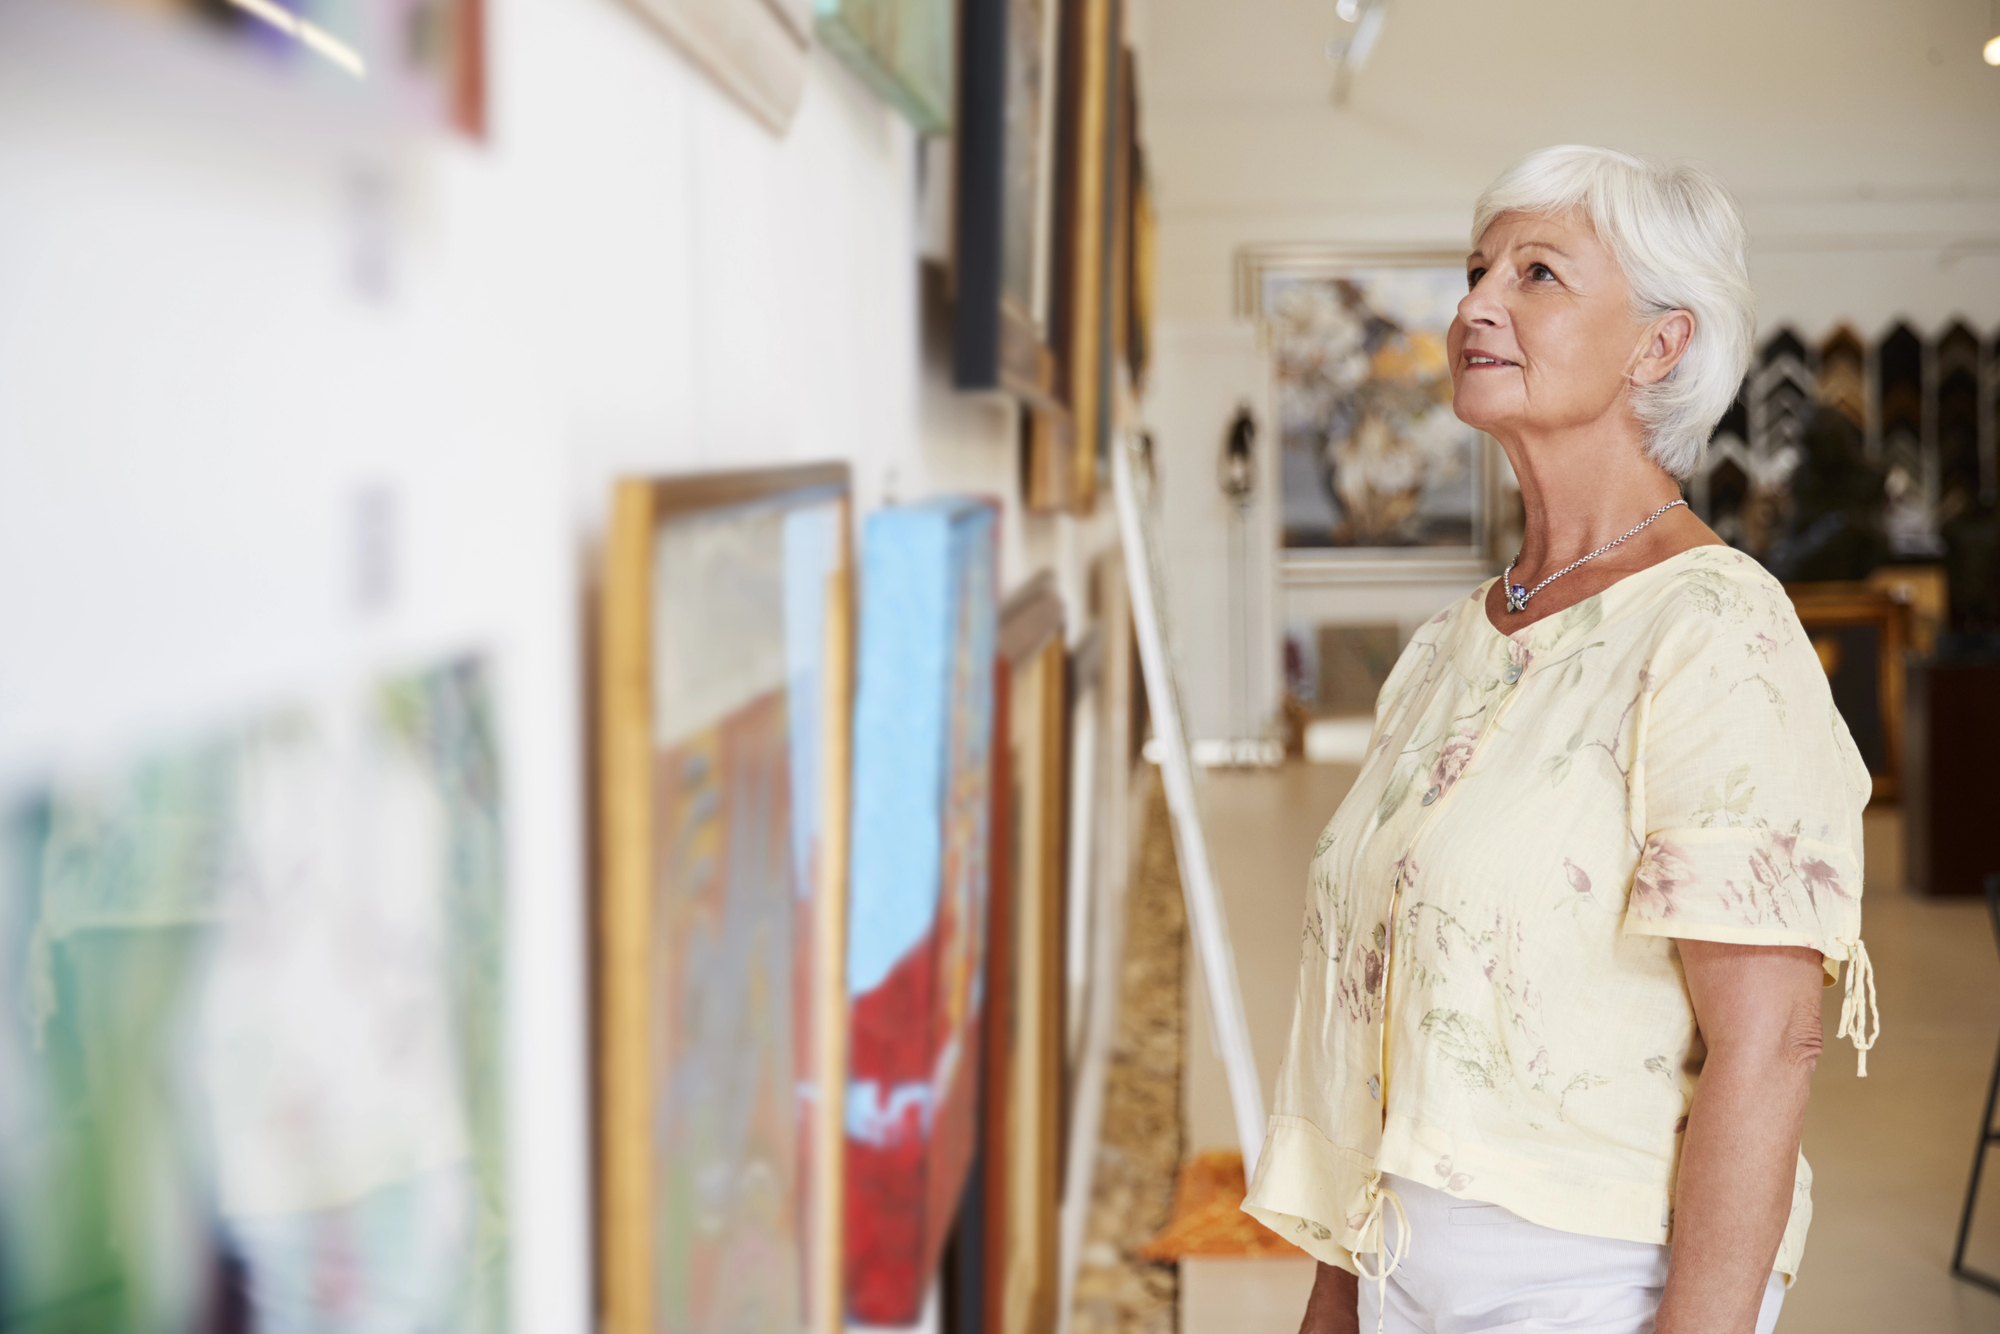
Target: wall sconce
<point>1236,473</point>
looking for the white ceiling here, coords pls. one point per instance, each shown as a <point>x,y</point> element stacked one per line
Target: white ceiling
<point>1863,136</point>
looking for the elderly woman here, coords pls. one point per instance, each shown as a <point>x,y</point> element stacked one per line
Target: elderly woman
<point>1559,1004</point>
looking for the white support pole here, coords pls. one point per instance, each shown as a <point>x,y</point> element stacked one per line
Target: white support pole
<point>1204,903</point>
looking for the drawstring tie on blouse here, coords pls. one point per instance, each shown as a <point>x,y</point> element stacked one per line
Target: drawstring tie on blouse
<point>1856,1004</point>
<point>1386,1260</point>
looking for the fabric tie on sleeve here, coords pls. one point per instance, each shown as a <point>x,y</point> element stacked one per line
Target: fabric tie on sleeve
<point>1857,1004</point>
<point>1386,1260</point>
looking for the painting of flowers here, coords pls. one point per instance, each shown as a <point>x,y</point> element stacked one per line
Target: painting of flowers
<point>1372,458</point>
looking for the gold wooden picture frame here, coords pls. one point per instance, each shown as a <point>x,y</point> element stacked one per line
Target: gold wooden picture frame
<point>1063,439</point>
<point>1022,1132</point>
<point>724,732</point>
<point>1860,632</point>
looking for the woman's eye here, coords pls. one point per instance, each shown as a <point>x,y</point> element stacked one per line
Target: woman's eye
<point>1472,278</point>
<point>1541,273</point>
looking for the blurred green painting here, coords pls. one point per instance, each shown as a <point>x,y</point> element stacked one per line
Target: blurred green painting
<point>250,1028</point>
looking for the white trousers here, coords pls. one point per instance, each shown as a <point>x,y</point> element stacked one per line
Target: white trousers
<point>1478,1269</point>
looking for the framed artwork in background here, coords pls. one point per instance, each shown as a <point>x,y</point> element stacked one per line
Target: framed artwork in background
<point>1859,631</point>
<point>1144,238</point>
<point>1022,1098</point>
<point>754,50</point>
<point>418,63</point>
<point>1063,465</point>
<point>1004,229</point>
<point>1124,184</point>
<point>906,50</point>
<point>252,1057</point>
<point>920,871</point>
<point>1373,462</point>
<point>722,800</point>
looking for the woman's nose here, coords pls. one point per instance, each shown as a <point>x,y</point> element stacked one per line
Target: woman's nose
<point>1480,307</point>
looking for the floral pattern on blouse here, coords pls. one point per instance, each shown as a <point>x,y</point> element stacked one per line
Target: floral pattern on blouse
<point>1488,995</point>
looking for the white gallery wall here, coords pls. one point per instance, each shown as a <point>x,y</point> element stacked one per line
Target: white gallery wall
<point>281,398</point>
<point>1862,139</point>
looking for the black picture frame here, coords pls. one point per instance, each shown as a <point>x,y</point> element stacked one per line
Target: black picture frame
<point>1007,53</point>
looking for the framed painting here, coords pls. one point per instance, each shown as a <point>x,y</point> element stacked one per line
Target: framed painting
<point>1022,1101</point>
<point>916,953</point>
<point>906,50</point>
<point>1373,462</point>
<point>1004,243</point>
<point>754,50</point>
<point>1144,229</point>
<point>1859,632</point>
<point>1064,461</point>
<point>412,62</point>
<point>724,725</point>
<point>251,1063</point>
<point>1124,198</point>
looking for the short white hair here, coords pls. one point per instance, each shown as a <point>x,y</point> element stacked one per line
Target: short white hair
<point>1677,234</point>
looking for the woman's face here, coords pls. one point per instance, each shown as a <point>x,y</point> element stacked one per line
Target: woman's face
<point>1545,337</point>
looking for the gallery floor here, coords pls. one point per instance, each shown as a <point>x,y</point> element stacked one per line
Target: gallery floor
<point>1889,1153</point>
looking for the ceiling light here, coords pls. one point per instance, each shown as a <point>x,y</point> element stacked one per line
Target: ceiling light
<point>1993,52</point>
<point>1349,10</point>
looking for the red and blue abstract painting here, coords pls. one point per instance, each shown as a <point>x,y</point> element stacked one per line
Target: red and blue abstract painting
<point>923,753</point>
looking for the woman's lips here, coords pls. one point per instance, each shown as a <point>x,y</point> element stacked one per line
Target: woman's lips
<point>1474,360</point>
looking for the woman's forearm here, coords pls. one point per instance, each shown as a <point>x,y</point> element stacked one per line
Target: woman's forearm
<point>1334,1307</point>
<point>1739,1156</point>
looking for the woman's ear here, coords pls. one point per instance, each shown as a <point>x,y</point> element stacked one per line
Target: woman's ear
<point>1666,342</point>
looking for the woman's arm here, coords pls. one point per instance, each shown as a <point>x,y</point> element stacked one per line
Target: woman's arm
<point>1334,1307</point>
<point>1758,1009</point>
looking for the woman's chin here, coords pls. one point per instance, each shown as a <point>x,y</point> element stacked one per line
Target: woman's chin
<point>1479,411</point>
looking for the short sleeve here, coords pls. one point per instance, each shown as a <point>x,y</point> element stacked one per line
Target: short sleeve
<point>1749,786</point>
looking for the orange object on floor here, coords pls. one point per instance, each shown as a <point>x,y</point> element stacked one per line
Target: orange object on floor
<point>1208,1214</point>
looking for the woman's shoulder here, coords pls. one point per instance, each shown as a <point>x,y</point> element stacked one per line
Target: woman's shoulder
<point>1719,589</point>
<point>1728,650</point>
<point>1718,601</point>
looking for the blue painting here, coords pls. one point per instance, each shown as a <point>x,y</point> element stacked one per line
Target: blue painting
<point>923,752</point>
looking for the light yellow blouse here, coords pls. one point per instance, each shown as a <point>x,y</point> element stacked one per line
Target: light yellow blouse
<point>1490,999</point>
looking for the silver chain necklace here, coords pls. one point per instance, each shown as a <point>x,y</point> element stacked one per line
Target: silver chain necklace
<point>1517,596</point>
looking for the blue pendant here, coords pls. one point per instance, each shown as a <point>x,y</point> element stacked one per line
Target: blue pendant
<point>1517,598</point>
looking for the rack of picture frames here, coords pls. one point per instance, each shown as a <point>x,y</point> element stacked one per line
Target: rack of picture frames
<point>848,800</point>
<point>1863,474</point>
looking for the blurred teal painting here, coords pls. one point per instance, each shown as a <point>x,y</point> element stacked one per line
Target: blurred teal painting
<point>905,50</point>
<point>250,1027</point>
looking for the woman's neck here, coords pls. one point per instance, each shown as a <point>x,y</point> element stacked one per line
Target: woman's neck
<point>1581,490</point>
